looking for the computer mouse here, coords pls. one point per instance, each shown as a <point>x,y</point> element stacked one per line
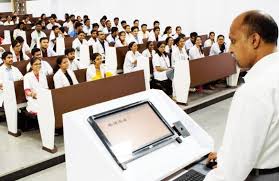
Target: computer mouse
<point>211,164</point>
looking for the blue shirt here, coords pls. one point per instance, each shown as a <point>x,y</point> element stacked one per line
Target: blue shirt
<point>73,34</point>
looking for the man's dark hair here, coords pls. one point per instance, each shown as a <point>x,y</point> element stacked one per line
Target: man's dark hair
<point>114,29</point>
<point>220,36</point>
<point>69,50</point>
<point>263,24</point>
<point>34,50</point>
<point>5,54</point>
<point>193,34</point>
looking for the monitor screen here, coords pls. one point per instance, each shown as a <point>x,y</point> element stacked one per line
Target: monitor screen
<point>133,129</point>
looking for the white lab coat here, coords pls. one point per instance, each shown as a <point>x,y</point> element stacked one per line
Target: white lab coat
<point>98,48</point>
<point>92,42</point>
<point>60,80</point>
<point>76,45</point>
<point>251,138</point>
<point>49,25</point>
<point>130,58</point>
<point>87,30</point>
<point>35,38</point>
<point>128,37</point>
<point>31,82</point>
<point>164,37</point>
<point>119,44</point>
<point>215,49</point>
<point>4,76</point>
<point>208,43</point>
<point>25,48</point>
<point>110,39</point>
<point>52,37</point>
<point>188,44</point>
<point>143,35</point>
<point>74,65</point>
<point>46,69</point>
<point>178,55</point>
<point>50,52</point>
<point>8,23</point>
<point>91,72</point>
<point>25,57</point>
<point>133,39</point>
<point>19,32</point>
<point>163,62</point>
<point>194,53</point>
<point>146,53</point>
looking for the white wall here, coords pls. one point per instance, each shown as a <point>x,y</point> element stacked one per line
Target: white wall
<point>38,7</point>
<point>5,7</point>
<point>193,15</point>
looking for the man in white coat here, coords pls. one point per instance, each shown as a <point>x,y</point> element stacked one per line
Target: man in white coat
<point>8,72</point>
<point>135,37</point>
<point>218,47</point>
<point>250,148</point>
<point>36,35</point>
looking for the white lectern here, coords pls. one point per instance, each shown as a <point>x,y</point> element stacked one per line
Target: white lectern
<point>144,136</point>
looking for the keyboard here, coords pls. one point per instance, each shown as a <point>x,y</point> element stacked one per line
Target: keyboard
<point>191,175</point>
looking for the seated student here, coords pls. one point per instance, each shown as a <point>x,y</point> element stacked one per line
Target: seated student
<point>149,52</point>
<point>156,34</point>
<point>25,48</point>
<point>78,28</point>
<point>144,33</point>
<point>152,32</point>
<point>15,19</point>
<point>97,69</point>
<point>26,20</point>
<point>79,19</point>
<point>52,23</point>
<point>93,39</point>
<point>116,24</point>
<point>46,69</point>
<point>107,29</point>
<point>64,76</point>
<point>36,35</point>
<point>209,42</point>
<point>167,33</point>
<point>121,41</point>
<point>87,27</point>
<point>136,23</point>
<point>55,33</point>
<point>102,23</point>
<point>102,45</point>
<point>20,30</point>
<point>8,21</point>
<point>8,72</point>
<point>62,30</point>
<point>131,58</point>
<point>67,22</point>
<point>18,54</point>
<point>74,63</point>
<point>95,26</point>
<point>135,37</point>
<point>191,41</point>
<point>219,47</point>
<point>128,33</point>
<point>178,32</point>
<point>113,36</point>
<point>162,70</point>
<point>123,25</point>
<point>80,40</point>
<point>169,47</point>
<point>196,51</point>
<point>34,81</point>
<point>46,50</point>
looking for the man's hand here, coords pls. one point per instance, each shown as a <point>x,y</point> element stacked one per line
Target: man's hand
<point>212,157</point>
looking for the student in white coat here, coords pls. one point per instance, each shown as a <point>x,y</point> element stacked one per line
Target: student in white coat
<point>156,34</point>
<point>93,39</point>
<point>52,23</point>
<point>8,72</point>
<point>197,50</point>
<point>144,33</point>
<point>161,66</point>
<point>167,33</point>
<point>149,52</point>
<point>34,81</point>
<point>128,33</point>
<point>36,35</point>
<point>74,63</point>
<point>131,58</point>
<point>46,50</point>
<point>113,36</point>
<point>9,21</point>
<point>97,70</point>
<point>191,41</point>
<point>219,47</point>
<point>121,41</point>
<point>64,76</point>
<point>20,30</point>
<point>54,34</point>
<point>80,40</point>
<point>210,41</point>
<point>152,32</point>
<point>102,45</point>
<point>135,37</point>
<point>178,32</point>
<point>46,69</point>
<point>25,47</point>
<point>87,27</point>
<point>18,54</point>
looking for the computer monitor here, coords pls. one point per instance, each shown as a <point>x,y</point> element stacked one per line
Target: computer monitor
<point>132,131</point>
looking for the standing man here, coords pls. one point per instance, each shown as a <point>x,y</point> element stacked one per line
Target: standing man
<point>250,149</point>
